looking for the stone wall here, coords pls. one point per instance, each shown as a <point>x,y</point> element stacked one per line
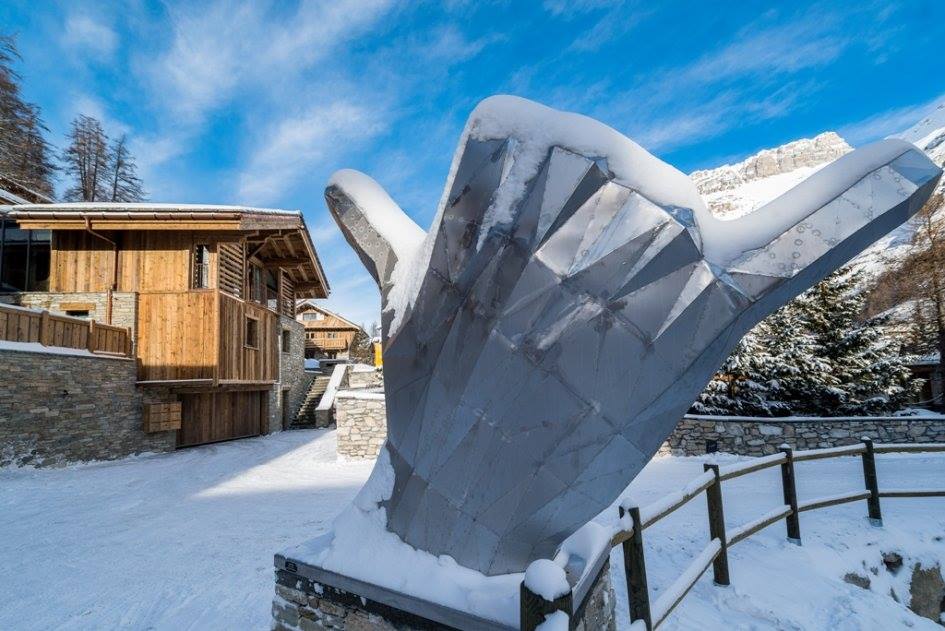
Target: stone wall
<point>124,304</point>
<point>292,376</point>
<point>304,604</point>
<point>61,408</point>
<point>758,437</point>
<point>361,419</point>
<point>365,378</point>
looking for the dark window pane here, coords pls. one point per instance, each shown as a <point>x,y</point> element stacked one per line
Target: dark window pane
<point>201,278</point>
<point>39,267</point>
<point>13,263</point>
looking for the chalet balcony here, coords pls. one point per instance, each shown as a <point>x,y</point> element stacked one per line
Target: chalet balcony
<point>206,336</point>
<point>328,344</point>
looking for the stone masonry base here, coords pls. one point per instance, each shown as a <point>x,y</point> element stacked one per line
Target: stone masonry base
<point>303,604</point>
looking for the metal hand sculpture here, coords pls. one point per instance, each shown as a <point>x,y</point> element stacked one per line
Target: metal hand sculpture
<point>571,300</point>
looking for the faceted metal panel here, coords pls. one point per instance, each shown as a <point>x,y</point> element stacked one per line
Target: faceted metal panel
<point>543,360</point>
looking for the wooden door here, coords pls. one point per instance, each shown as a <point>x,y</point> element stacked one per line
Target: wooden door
<point>209,417</point>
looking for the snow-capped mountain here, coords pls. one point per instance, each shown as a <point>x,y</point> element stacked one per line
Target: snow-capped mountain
<point>733,190</point>
<point>929,134</point>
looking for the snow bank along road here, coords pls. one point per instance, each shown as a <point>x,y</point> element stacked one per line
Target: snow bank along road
<point>185,540</point>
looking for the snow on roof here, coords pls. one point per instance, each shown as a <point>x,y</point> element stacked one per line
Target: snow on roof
<point>302,304</point>
<point>147,207</point>
<point>7,196</point>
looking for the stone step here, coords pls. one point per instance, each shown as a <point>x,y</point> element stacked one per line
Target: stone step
<point>308,415</point>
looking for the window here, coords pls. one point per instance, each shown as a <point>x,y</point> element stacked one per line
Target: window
<point>332,335</point>
<point>201,279</point>
<point>286,340</point>
<point>255,284</point>
<point>272,290</point>
<point>308,317</point>
<point>78,313</point>
<point>252,332</point>
<point>24,258</point>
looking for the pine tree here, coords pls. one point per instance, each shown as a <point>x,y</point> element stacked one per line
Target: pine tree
<point>866,373</point>
<point>88,161</point>
<point>796,372</point>
<point>921,336</point>
<point>24,152</point>
<point>740,387</point>
<point>816,356</point>
<point>125,184</point>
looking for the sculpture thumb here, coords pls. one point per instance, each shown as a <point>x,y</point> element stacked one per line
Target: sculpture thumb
<point>380,232</point>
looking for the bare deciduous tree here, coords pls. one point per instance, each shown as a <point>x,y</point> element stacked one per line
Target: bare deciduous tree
<point>87,160</point>
<point>126,185</point>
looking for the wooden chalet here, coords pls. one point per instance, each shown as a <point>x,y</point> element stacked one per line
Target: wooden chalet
<point>212,293</point>
<point>327,334</point>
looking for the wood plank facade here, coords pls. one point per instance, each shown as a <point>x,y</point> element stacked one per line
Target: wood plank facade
<point>211,285</point>
<point>327,334</point>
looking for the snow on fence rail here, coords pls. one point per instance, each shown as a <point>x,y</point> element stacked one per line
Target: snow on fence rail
<point>634,520</point>
<point>19,324</point>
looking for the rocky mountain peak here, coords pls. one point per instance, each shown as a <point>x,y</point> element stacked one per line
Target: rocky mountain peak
<point>735,189</point>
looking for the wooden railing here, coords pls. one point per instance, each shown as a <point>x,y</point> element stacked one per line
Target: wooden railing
<point>634,520</point>
<point>18,324</point>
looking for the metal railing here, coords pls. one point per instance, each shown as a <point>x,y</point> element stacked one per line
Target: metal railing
<point>19,324</point>
<point>634,520</point>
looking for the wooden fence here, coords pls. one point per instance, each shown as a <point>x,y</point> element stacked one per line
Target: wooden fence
<point>634,520</point>
<point>18,324</point>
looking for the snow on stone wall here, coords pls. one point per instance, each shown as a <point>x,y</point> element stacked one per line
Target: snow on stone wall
<point>759,437</point>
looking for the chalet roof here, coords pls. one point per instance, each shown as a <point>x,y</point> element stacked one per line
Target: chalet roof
<point>308,304</point>
<point>22,193</point>
<point>146,209</point>
<point>279,236</point>
<point>6,197</point>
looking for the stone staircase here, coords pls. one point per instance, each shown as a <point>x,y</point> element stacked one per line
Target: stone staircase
<point>308,415</point>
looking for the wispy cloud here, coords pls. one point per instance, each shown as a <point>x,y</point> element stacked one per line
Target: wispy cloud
<point>747,80</point>
<point>222,46</point>
<point>294,144</point>
<point>88,35</point>
<point>568,8</point>
<point>890,122</point>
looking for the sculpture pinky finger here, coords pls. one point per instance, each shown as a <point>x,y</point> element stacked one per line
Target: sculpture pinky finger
<point>571,299</point>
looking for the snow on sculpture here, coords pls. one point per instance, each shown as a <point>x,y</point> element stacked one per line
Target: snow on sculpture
<point>572,298</point>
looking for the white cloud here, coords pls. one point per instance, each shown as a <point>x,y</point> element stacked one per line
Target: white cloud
<point>87,105</point>
<point>295,144</point>
<point>890,122</point>
<point>85,34</point>
<point>223,46</point>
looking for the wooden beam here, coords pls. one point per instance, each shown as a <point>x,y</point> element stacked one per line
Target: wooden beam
<point>285,262</point>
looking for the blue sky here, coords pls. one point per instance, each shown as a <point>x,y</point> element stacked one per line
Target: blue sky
<point>257,103</point>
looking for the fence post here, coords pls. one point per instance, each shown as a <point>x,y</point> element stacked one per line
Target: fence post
<point>634,566</point>
<point>872,484</point>
<point>44,328</point>
<point>533,608</point>
<point>91,341</point>
<point>713,497</point>
<point>788,482</point>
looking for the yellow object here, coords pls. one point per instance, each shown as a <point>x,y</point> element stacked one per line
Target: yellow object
<point>378,355</point>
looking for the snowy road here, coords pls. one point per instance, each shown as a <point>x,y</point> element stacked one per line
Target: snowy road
<point>185,540</point>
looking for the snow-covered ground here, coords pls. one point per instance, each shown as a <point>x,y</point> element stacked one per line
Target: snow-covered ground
<point>185,540</point>
<point>176,541</point>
